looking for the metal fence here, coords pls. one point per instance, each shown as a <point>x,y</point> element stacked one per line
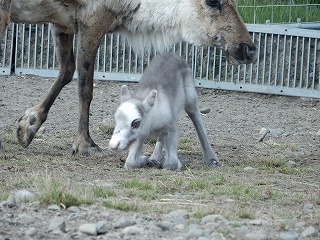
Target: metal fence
<point>279,11</point>
<point>288,61</point>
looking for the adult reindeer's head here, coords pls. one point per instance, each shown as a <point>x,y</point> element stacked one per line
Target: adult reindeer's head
<point>218,23</point>
<point>200,22</point>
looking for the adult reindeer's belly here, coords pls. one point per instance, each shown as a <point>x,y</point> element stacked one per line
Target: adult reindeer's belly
<point>62,13</point>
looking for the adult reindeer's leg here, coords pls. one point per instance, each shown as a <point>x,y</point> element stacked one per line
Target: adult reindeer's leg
<point>5,11</point>
<point>30,123</point>
<point>88,42</point>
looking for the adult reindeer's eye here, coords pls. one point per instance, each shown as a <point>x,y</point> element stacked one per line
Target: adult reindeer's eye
<point>135,124</point>
<point>214,4</point>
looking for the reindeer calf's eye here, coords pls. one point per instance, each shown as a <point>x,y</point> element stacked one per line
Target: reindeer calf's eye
<point>135,124</point>
<point>214,3</point>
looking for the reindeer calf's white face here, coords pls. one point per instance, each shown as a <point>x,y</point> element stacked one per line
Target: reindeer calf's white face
<point>128,119</point>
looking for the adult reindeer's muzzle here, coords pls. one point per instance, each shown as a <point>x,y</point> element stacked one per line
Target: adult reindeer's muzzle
<point>242,54</point>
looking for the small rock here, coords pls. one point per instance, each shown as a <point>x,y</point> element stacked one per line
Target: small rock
<point>300,224</point>
<point>74,209</point>
<point>102,227</point>
<point>124,222</point>
<point>89,229</point>
<point>263,133</point>
<point>276,132</point>
<point>11,201</point>
<point>240,232</point>
<point>308,208</point>
<point>214,218</point>
<point>72,216</point>
<point>163,226</point>
<point>216,236</point>
<point>31,232</point>
<point>54,208</point>
<point>195,231</point>
<point>310,232</point>
<point>289,236</point>
<point>249,169</point>
<point>178,216</point>
<point>26,219</point>
<point>3,203</point>
<point>179,227</point>
<point>178,213</point>
<point>205,110</point>
<point>257,235</point>
<point>263,130</point>
<point>23,195</point>
<point>57,224</point>
<point>132,230</point>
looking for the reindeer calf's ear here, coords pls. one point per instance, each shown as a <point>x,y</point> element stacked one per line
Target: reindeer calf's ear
<point>125,94</point>
<point>149,101</point>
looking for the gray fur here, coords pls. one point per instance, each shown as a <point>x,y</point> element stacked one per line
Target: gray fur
<point>165,89</point>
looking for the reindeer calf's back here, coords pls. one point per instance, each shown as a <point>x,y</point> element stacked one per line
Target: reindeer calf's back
<point>170,75</point>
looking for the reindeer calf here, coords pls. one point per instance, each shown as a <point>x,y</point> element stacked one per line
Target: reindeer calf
<point>164,90</point>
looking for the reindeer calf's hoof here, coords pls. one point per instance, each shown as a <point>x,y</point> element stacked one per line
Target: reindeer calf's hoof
<point>173,166</point>
<point>136,163</point>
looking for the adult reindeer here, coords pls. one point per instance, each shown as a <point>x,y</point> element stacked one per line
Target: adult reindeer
<point>145,23</point>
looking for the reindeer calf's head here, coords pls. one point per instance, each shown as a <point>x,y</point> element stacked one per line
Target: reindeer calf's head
<point>129,119</point>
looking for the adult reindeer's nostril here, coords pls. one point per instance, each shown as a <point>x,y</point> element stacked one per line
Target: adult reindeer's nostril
<point>250,51</point>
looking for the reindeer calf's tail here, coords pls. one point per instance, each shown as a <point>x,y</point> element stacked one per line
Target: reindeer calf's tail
<point>5,11</point>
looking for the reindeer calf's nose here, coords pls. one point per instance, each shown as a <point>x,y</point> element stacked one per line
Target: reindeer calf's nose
<point>114,145</point>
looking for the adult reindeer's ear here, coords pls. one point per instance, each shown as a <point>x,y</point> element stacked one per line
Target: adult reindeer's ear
<point>149,101</point>
<point>125,94</point>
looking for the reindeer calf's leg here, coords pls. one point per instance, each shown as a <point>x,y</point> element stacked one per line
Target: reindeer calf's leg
<point>192,109</point>
<point>134,159</point>
<point>170,141</point>
<point>156,157</point>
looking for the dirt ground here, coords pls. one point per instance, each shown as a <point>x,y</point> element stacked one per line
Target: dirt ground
<point>233,123</point>
<point>233,126</point>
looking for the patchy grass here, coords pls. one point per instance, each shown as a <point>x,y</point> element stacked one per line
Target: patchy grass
<point>188,145</point>
<point>106,129</point>
<point>135,184</point>
<point>103,192</point>
<point>62,179</point>
<point>58,191</point>
<point>121,205</point>
<point>283,146</point>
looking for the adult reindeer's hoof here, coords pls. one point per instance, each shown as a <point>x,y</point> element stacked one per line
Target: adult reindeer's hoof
<point>83,147</point>
<point>28,126</point>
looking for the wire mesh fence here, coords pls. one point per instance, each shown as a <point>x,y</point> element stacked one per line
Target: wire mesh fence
<point>279,11</point>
